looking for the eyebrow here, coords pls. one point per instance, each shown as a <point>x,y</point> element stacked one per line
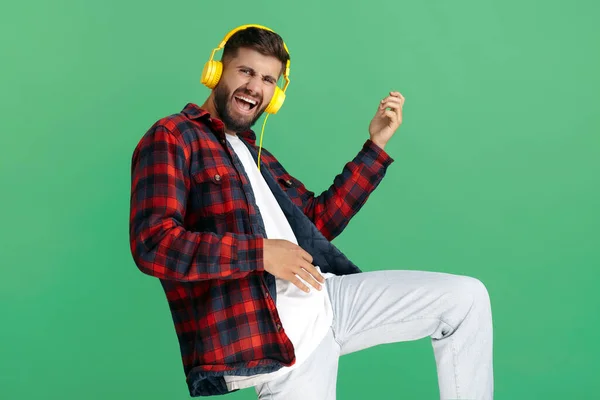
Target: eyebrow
<point>253,70</point>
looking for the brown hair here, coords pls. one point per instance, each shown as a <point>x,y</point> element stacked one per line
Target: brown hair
<point>265,42</point>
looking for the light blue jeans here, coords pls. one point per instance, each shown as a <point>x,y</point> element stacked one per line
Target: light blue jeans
<point>373,308</point>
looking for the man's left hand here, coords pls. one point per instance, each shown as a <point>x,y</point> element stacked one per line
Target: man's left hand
<point>386,122</point>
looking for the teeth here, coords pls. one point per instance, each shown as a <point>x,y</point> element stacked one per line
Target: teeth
<point>249,100</point>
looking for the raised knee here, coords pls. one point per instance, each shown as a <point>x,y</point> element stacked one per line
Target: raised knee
<point>475,289</point>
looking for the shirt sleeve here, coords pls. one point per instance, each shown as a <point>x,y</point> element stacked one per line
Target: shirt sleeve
<point>332,210</point>
<point>160,245</point>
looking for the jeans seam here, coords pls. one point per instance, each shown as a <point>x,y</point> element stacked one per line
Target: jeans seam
<point>334,315</point>
<point>395,322</point>
<point>455,363</point>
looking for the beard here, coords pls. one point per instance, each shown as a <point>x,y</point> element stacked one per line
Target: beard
<point>232,119</point>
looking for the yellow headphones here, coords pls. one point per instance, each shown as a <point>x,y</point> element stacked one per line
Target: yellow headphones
<point>211,74</point>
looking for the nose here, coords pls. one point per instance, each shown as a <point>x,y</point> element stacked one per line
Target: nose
<point>254,84</point>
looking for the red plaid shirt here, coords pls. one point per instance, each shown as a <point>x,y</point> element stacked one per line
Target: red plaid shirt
<point>193,225</point>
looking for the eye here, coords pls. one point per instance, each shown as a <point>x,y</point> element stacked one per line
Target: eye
<point>269,80</point>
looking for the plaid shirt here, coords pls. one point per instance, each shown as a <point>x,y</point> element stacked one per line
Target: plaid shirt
<point>195,225</point>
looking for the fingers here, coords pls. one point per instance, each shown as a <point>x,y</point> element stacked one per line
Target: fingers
<point>309,274</point>
<point>310,269</point>
<point>394,103</point>
<point>309,279</point>
<point>395,98</point>
<point>304,254</point>
<point>397,95</point>
<point>296,281</point>
<point>301,278</point>
<point>394,112</point>
<point>392,116</point>
<point>306,263</point>
<point>300,270</point>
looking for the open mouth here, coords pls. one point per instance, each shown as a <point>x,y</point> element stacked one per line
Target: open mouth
<point>245,103</point>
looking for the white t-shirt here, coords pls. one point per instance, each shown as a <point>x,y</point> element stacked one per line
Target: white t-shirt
<point>305,317</point>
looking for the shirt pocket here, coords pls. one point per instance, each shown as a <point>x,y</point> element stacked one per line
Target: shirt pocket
<point>212,192</point>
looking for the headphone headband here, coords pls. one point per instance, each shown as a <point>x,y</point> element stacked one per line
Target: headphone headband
<point>242,27</point>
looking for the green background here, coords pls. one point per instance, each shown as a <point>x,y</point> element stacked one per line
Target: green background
<point>496,176</point>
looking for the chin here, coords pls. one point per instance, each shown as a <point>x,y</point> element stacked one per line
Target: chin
<point>242,118</point>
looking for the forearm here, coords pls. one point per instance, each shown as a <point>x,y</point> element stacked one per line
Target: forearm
<point>333,209</point>
<point>166,250</point>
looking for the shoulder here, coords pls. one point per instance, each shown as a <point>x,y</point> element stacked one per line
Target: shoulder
<point>177,129</point>
<point>179,126</point>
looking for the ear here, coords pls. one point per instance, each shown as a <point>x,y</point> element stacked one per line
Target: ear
<point>282,71</point>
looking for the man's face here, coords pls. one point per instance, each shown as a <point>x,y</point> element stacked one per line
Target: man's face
<point>246,88</point>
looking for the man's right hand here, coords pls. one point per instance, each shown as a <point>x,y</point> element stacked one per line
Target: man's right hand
<point>285,260</point>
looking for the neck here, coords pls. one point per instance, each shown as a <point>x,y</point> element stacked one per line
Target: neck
<point>209,105</point>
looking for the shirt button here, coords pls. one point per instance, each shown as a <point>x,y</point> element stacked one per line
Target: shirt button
<point>217,177</point>
<point>278,327</point>
<point>288,182</point>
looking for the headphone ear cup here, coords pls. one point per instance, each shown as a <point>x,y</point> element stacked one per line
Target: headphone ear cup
<point>211,73</point>
<point>276,101</point>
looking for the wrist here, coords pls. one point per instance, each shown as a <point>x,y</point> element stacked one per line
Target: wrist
<point>379,143</point>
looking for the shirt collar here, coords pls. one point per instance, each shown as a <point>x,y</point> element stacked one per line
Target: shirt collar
<point>194,112</point>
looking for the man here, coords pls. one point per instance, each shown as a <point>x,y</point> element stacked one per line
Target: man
<point>259,295</point>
